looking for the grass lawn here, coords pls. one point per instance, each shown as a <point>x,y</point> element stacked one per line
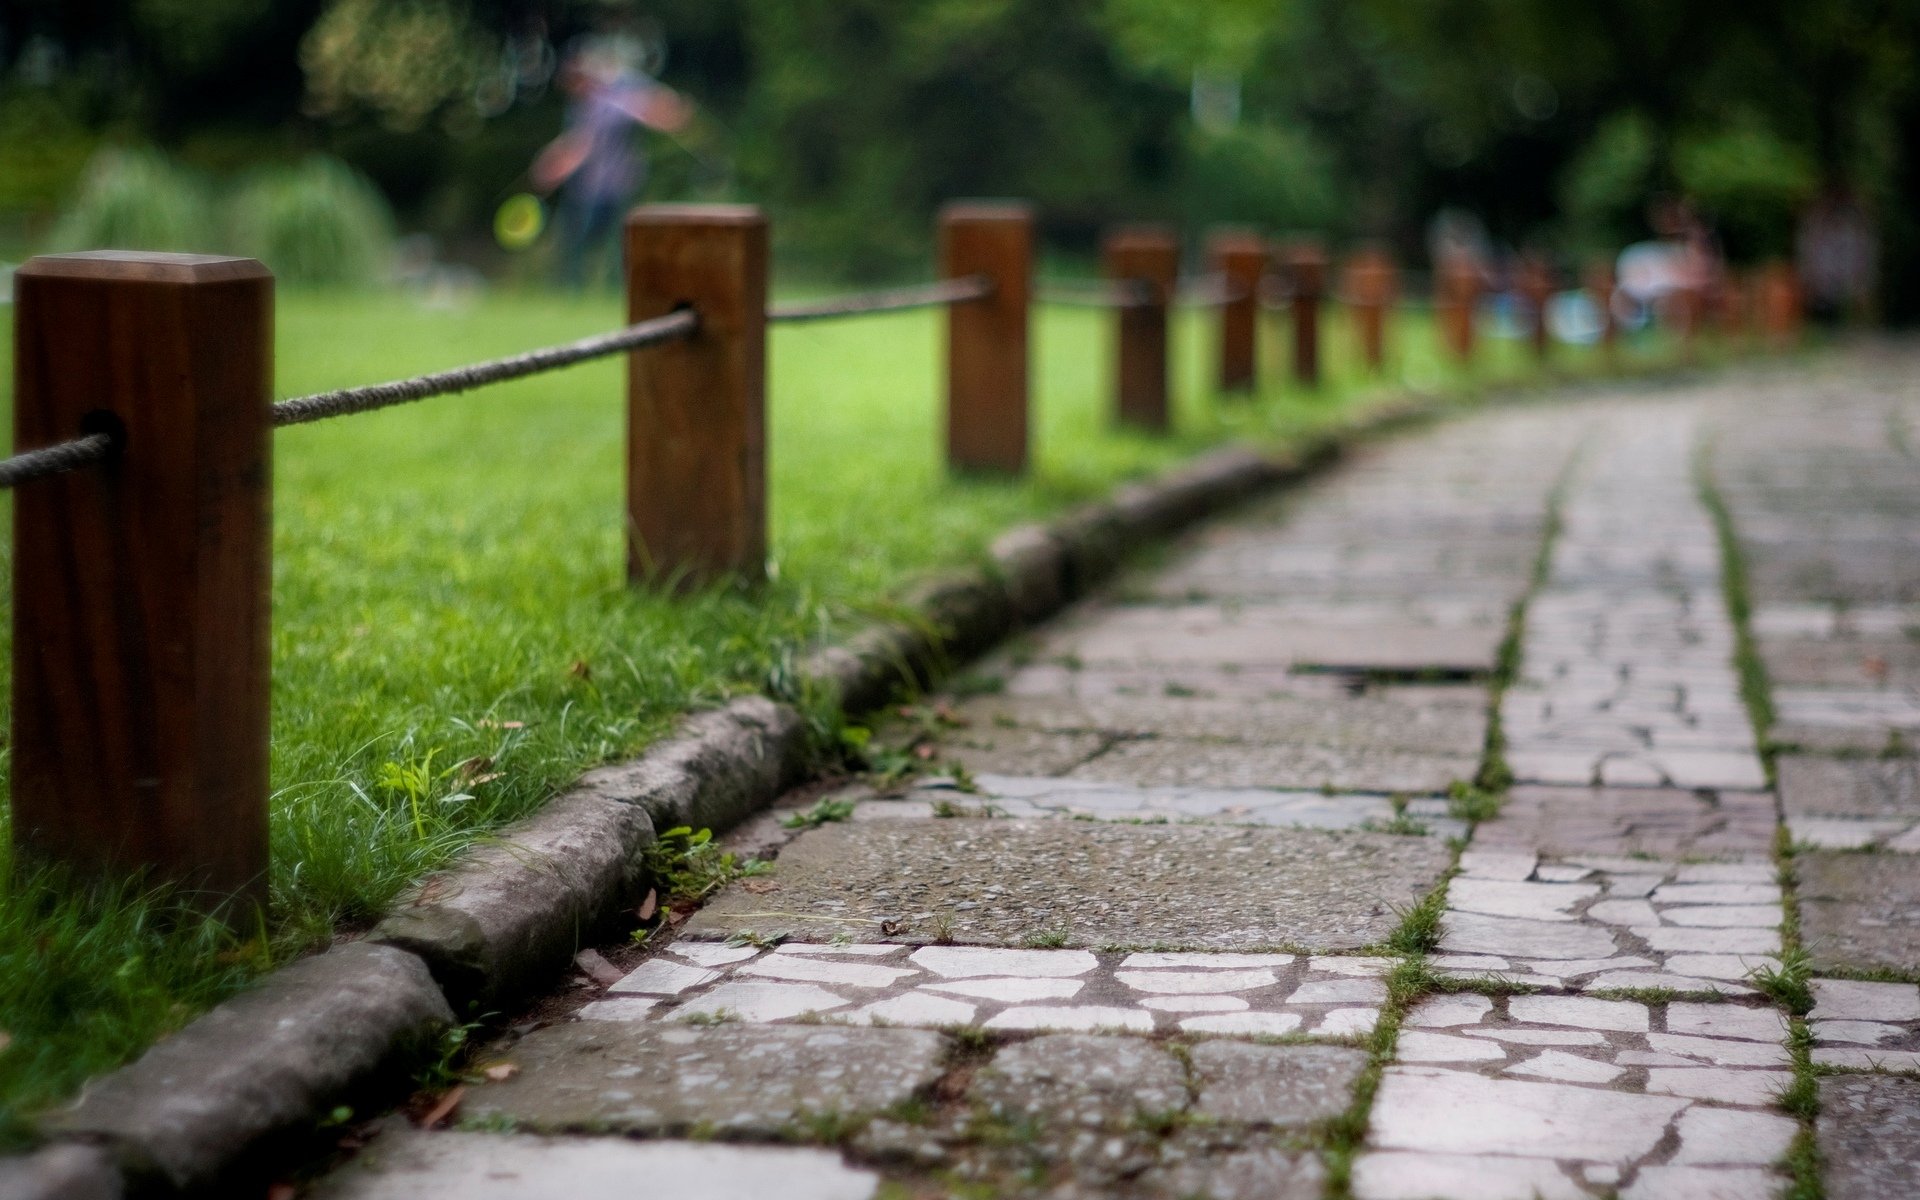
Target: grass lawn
<point>452,634</point>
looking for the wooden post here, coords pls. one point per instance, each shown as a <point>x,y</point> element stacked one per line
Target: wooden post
<point>1600,284</point>
<point>696,408</point>
<point>1371,287</point>
<point>141,585</point>
<point>1779,304</point>
<point>1535,285</point>
<point>1304,264</point>
<point>1239,258</point>
<point>1146,257</point>
<point>987,338</point>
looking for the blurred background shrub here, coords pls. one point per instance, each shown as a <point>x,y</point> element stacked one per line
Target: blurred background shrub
<point>316,222</point>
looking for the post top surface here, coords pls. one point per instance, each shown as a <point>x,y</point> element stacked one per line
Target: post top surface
<point>142,266</point>
<point>986,210</point>
<point>697,214</point>
<point>1142,235</point>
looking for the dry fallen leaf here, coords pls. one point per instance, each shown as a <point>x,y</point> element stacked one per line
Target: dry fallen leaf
<point>597,968</point>
<point>581,669</point>
<point>924,751</point>
<point>444,1108</point>
<point>501,1072</point>
<point>759,887</point>
<point>649,906</point>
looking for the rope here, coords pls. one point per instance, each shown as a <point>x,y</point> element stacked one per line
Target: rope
<point>922,295</point>
<point>319,407</point>
<point>1213,290</point>
<point>1129,293</point>
<point>54,460</point>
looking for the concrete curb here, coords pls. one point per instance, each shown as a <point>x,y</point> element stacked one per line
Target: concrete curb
<point>493,929</point>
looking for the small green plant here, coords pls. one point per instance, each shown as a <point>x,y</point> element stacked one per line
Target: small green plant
<point>1046,939</point>
<point>962,778</point>
<point>1466,802</point>
<point>688,865</point>
<point>824,811</point>
<point>1790,983</point>
<point>1420,924</point>
<point>976,683</point>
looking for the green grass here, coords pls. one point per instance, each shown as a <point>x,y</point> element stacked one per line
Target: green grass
<point>452,634</point>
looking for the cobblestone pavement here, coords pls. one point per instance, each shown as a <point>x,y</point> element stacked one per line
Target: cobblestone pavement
<point>1230,884</point>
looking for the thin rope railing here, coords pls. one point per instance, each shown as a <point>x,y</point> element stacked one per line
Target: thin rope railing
<point>900,299</point>
<point>320,406</point>
<point>1213,290</point>
<point>57,459</point>
<point>1128,293</point>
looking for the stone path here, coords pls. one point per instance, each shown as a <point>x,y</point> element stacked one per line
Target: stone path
<point>1200,890</point>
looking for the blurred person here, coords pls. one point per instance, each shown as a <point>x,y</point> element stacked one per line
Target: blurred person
<point>596,164</point>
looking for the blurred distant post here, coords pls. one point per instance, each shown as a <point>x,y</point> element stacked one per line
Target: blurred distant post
<point>1600,287</point>
<point>1239,258</point>
<point>1372,284</point>
<point>1456,296</point>
<point>1144,261</point>
<point>1304,265</point>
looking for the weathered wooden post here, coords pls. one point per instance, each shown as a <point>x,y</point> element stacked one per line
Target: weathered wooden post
<point>1456,301</point>
<point>1239,258</point>
<point>987,386</point>
<point>1372,284</point>
<point>696,407</point>
<point>1535,285</point>
<point>141,584</point>
<point>1304,264</point>
<point>1145,261</point>
<point>1779,304</point>
<point>1600,284</point>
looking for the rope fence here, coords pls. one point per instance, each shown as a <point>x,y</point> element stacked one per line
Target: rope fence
<point>180,540</point>
<point>884,300</point>
<point>1130,293</point>
<point>303,409</point>
<point>29,465</point>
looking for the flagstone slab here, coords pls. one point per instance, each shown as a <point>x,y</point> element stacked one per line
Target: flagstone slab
<point>745,1080</point>
<point>1812,786</point>
<point>1869,1135</point>
<point>1860,911</point>
<point>414,1165</point>
<point>1008,883</point>
<point>1665,822</point>
<point>1171,762</point>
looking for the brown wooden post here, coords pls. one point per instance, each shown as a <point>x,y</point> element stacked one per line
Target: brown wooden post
<point>696,408</point>
<point>1535,285</point>
<point>987,356</point>
<point>1600,284</point>
<point>141,585</point>
<point>1371,287</point>
<point>1779,305</point>
<point>1147,258</point>
<point>1304,265</point>
<point>1239,258</point>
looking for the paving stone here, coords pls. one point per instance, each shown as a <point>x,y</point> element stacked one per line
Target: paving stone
<point>1866,1060</point>
<point>1505,898</point>
<point>1150,959</point>
<point>1716,893</point>
<point>912,1008</point>
<point>1725,916</point>
<point>1453,721</point>
<point>1849,787</point>
<point>1198,982</point>
<point>1455,1112</point>
<point>1194,1004</point>
<point>1340,991</point>
<point>1229,888</point>
<point>1014,990</point>
<point>1709,940</point>
<point>1445,1011</point>
<point>991,751</point>
<point>1537,1037</point>
<point>1863,1033</point>
<point>1260,635</point>
<point>1419,1046</point>
<point>1256,1173</point>
<point>1726,1021</point>
<point>489,1166</point>
<point>661,977</point>
<point>1474,933</point>
<point>620,1008</point>
<point>1722,1136</point>
<point>1290,1087</point>
<point>1869,1135</point>
<point>1722,1051</point>
<point>761,1002</point>
<point>1251,1024</point>
<point>1370,966</point>
<point>1084,1018</point>
<point>1702,1183</point>
<point>1566,1068</point>
<point>1859,911</point>
<point>711,954</point>
<point>1577,821</point>
<point>960,962</point>
<point>1170,762</point>
<point>1580,1012</point>
<point>744,1080</point>
<point>1402,1176</point>
<point>1852,1000</point>
<point>1718,1084</point>
<point>1666,981</point>
<point>813,970</point>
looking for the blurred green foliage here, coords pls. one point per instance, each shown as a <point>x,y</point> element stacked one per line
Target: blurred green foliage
<point>854,119</point>
<point>133,198</point>
<point>316,222</point>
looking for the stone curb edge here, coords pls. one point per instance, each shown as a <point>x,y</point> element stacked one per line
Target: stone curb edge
<point>213,1101</point>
